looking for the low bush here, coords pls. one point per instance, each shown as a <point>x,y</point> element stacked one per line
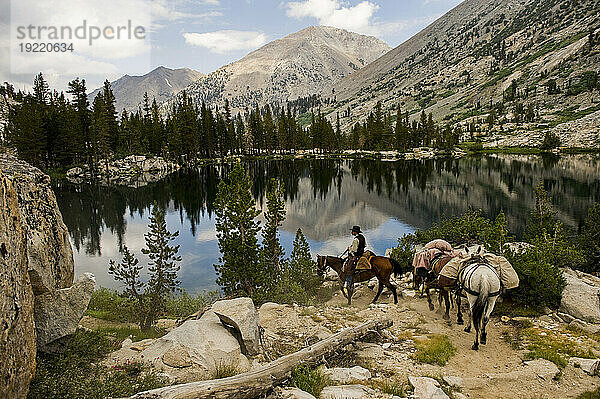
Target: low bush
<point>309,380</point>
<point>436,350</point>
<point>470,228</point>
<point>110,305</point>
<point>76,373</point>
<point>183,305</point>
<point>541,281</point>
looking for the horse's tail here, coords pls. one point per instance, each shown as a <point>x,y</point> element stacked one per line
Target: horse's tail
<point>481,301</point>
<point>397,267</point>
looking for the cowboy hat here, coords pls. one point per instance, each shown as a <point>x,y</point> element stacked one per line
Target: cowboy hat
<point>356,229</point>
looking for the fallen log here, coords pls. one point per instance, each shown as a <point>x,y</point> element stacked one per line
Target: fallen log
<point>257,382</point>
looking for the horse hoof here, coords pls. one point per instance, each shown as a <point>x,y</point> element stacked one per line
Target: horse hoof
<point>467,329</point>
<point>446,317</point>
<point>483,340</point>
<point>475,347</point>
<point>460,322</point>
<point>431,307</point>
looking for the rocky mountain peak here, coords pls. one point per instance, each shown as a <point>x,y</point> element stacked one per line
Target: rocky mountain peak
<point>298,65</point>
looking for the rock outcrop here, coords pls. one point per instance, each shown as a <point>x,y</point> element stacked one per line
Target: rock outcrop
<point>196,350</point>
<point>132,171</point>
<point>49,253</point>
<point>580,298</point>
<point>354,374</point>
<point>241,314</point>
<point>35,275</point>
<point>427,388</point>
<point>347,392</point>
<point>17,342</point>
<point>57,314</point>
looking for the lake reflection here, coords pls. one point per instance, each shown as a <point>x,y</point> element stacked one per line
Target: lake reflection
<point>324,198</point>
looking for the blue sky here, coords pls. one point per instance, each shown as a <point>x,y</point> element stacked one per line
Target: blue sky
<point>198,34</point>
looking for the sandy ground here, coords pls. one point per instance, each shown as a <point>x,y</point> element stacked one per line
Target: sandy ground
<point>497,370</point>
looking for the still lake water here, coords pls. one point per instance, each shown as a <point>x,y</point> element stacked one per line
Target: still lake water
<point>324,198</point>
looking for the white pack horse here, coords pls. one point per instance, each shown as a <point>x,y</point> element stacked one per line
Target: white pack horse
<point>481,284</point>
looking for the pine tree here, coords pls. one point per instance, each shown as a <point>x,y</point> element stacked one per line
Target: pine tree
<point>239,270</point>
<point>273,252</point>
<point>301,264</point>
<point>163,265</point>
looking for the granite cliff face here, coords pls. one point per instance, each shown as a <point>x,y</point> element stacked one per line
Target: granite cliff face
<point>17,336</point>
<point>49,253</point>
<point>36,274</point>
<point>298,65</point>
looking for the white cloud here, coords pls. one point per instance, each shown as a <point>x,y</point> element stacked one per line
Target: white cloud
<point>168,10</point>
<point>226,41</point>
<point>356,18</point>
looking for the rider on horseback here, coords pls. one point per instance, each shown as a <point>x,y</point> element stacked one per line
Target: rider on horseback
<point>355,251</point>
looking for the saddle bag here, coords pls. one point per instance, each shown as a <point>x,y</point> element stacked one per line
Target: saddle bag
<point>364,263</point>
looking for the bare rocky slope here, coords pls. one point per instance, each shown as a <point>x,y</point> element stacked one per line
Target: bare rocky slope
<point>298,65</point>
<point>468,58</point>
<point>161,83</point>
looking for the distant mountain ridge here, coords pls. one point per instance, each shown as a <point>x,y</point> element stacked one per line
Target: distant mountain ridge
<point>298,65</point>
<point>469,57</point>
<point>161,83</point>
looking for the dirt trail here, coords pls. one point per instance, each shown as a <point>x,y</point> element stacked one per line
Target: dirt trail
<point>497,370</point>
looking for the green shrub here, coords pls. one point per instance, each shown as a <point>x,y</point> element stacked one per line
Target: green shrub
<point>436,350</point>
<point>76,373</point>
<point>309,380</point>
<point>184,305</point>
<point>551,141</point>
<point>405,251</point>
<point>224,370</point>
<point>299,281</point>
<point>470,228</point>
<point>109,305</point>
<point>541,281</point>
<point>589,241</point>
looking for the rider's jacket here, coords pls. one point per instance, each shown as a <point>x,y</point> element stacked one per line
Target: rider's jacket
<point>358,245</point>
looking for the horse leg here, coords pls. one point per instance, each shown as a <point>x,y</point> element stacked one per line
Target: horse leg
<point>447,302</point>
<point>379,290</point>
<point>392,288</point>
<point>342,288</point>
<point>431,307</point>
<point>350,293</point>
<point>468,327</point>
<point>486,319</point>
<point>459,315</point>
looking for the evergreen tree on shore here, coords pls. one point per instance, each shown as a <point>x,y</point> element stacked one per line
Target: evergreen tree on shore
<point>273,252</point>
<point>239,270</point>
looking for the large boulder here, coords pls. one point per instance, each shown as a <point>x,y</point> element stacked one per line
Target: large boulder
<point>581,296</point>
<point>49,253</point>
<point>196,350</point>
<point>17,342</point>
<point>589,366</point>
<point>57,314</point>
<point>347,392</point>
<point>289,393</point>
<point>339,375</point>
<point>241,314</point>
<point>427,388</point>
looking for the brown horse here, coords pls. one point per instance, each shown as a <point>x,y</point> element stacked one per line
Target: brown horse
<point>381,267</point>
<point>431,281</point>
